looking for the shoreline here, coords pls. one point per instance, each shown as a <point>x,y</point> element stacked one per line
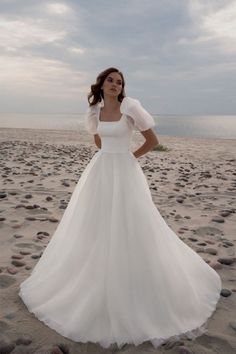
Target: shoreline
<point>81,130</point>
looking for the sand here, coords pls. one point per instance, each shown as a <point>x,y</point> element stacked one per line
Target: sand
<point>193,185</point>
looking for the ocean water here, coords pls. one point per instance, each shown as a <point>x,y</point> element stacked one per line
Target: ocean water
<point>208,126</point>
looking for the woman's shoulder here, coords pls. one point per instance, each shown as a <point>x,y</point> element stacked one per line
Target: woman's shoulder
<point>93,108</point>
<point>130,100</point>
<point>134,109</point>
<point>128,103</point>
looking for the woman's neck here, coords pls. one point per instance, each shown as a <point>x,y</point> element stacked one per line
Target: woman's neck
<point>111,103</point>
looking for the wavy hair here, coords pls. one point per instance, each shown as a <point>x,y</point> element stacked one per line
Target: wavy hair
<point>96,93</point>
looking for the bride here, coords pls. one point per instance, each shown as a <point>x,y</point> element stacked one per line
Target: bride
<point>114,272</point>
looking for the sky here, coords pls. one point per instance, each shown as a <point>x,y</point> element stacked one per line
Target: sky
<point>177,56</point>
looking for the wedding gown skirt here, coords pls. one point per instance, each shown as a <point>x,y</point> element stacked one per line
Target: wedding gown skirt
<point>114,271</point>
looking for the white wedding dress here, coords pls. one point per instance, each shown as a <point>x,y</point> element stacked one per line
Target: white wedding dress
<point>114,271</point>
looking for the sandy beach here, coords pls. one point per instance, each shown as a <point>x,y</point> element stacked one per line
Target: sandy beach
<point>193,185</point>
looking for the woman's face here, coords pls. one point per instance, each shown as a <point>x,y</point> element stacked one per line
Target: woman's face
<point>112,84</point>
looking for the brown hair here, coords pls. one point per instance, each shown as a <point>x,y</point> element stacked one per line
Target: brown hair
<point>96,92</point>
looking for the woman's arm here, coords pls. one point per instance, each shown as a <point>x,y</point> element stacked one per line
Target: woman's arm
<point>149,144</point>
<point>97,140</point>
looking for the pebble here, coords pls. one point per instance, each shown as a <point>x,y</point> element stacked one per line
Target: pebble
<point>226,260</point>
<point>3,195</point>
<point>225,292</point>
<point>225,213</point>
<point>45,233</point>
<point>17,256</point>
<point>19,206</point>
<point>18,263</point>
<point>210,242</point>
<point>29,207</point>
<point>52,219</point>
<point>228,243</point>
<point>216,265</point>
<point>16,226</point>
<point>12,270</point>
<point>62,206</point>
<point>200,250</point>
<point>10,316</point>
<point>56,349</point>
<point>193,239</point>
<point>25,253</point>
<point>218,219</point>
<point>24,339</point>
<point>36,206</point>
<point>184,350</point>
<point>36,256</point>
<point>6,346</point>
<point>178,216</point>
<point>40,237</point>
<point>172,343</point>
<point>212,251</point>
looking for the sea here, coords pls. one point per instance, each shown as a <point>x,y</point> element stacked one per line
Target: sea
<point>199,126</point>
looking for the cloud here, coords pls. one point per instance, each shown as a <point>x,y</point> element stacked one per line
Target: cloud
<point>58,8</point>
<point>77,50</point>
<point>19,33</point>
<point>216,22</point>
<point>41,77</point>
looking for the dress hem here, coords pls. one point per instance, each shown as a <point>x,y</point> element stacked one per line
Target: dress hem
<point>189,334</point>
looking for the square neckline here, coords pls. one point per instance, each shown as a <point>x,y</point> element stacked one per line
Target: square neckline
<point>107,121</point>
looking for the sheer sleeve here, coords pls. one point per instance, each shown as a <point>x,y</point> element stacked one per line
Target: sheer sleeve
<point>142,120</point>
<point>91,119</point>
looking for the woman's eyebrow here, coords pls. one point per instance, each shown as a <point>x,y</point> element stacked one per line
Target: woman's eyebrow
<point>116,80</point>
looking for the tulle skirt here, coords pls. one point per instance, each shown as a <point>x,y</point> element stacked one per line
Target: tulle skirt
<point>114,271</point>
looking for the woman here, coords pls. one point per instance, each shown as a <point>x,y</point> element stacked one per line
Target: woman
<point>114,271</point>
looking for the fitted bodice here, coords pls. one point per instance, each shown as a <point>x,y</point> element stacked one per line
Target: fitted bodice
<point>115,136</point>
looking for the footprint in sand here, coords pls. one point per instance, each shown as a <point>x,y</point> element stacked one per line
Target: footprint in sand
<point>28,245</point>
<point>208,230</point>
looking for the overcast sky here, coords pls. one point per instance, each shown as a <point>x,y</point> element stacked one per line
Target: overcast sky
<point>177,56</point>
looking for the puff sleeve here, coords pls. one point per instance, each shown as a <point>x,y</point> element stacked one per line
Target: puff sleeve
<point>142,120</point>
<point>91,119</point>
